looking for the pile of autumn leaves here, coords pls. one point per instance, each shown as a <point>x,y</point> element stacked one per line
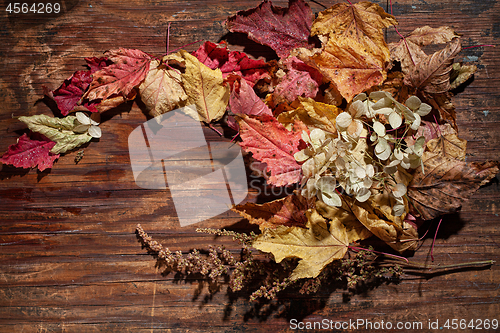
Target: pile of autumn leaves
<point>342,117</point>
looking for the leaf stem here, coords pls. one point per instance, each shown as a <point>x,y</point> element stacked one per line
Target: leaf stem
<point>434,240</point>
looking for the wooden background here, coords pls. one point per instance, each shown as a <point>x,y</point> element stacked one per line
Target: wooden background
<point>70,259</point>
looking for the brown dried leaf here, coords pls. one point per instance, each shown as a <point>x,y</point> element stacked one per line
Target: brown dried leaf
<point>432,74</point>
<point>408,52</point>
<point>461,74</point>
<point>446,184</point>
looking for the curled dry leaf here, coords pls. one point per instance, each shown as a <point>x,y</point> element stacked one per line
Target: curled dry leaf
<point>461,74</point>
<point>59,130</point>
<point>316,246</point>
<point>231,62</point>
<point>313,114</point>
<point>432,73</point>
<point>288,211</point>
<point>408,51</point>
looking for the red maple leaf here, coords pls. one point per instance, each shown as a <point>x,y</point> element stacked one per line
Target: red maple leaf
<point>31,151</point>
<point>69,94</point>
<point>128,70</point>
<point>231,62</point>
<point>282,29</point>
<point>271,143</point>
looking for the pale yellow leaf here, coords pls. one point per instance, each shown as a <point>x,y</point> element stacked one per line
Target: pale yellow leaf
<point>316,246</point>
<point>162,91</point>
<point>205,89</point>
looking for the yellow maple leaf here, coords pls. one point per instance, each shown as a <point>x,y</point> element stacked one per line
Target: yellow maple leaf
<point>316,245</point>
<point>162,90</point>
<point>354,54</point>
<point>205,89</point>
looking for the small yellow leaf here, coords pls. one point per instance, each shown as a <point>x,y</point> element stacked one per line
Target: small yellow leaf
<point>449,145</point>
<point>313,114</point>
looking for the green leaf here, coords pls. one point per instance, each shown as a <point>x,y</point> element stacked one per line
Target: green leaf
<point>59,130</point>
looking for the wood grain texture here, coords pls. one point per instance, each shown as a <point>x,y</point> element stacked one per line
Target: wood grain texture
<point>70,259</point>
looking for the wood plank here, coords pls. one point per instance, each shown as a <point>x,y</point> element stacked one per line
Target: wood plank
<point>71,261</point>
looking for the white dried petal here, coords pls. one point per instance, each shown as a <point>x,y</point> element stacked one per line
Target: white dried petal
<point>358,109</point>
<point>378,95</point>
<point>355,129</point>
<point>300,156</point>
<point>360,172</point>
<point>398,209</point>
<point>95,131</point>
<point>424,109</point>
<point>419,146</point>
<point>385,110</point>
<point>399,190</point>
<point>360,97</point>
<point>363,194</point>
<point>81,128</point>
<point>398,154</point>
<point>395,120</point>
<point>381,146</point>
<point>392,167</point>
<point>379,128</point>
<point>413,102</point>
<point>343,120</point>
<point>82,118</point>
<point>317,136</point>
<point>416,123</point>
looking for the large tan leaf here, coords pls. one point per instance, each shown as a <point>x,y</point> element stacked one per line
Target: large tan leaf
<point>312,114</point>
<point>288,211</point>
<point>315,245</point>
<point>205,89</point>
<point>432,74</point>
<point>162,91</point>
<point>446,184</point>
